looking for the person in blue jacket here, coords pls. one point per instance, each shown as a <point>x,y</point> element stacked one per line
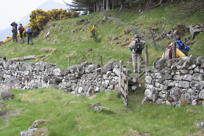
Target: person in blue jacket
<point>182,46</point>
<point>29,33</point>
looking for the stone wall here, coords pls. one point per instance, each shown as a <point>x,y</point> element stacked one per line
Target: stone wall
<point>85,79</point>
<point>176,82</point>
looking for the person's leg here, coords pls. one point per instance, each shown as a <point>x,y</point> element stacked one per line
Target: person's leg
<point>28,38</point>
<point>22,39</point>
<point>31,39</point>
<point>138,62</point>
<point>21,35</point>
<point>134,61</point>
<point>16,38</point>
<point>13,37</point>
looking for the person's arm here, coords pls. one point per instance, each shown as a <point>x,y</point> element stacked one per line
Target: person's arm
<point>131,45</point>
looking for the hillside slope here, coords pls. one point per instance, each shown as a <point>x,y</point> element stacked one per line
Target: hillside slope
<point>69,43</point>
<point>72,40</point>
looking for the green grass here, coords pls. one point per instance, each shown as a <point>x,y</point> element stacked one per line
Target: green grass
<point>70,115</point>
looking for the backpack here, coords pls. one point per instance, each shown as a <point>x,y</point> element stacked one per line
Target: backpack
<point>21,29</point>
<point>139,46</point>
<point>29,30</point>
<point>180,45</point>
<point>14,30</point>
<point>183,47</point>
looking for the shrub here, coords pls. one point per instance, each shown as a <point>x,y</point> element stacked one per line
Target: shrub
<point>39,18</point>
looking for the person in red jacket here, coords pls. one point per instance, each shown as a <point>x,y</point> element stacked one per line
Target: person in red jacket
<point>21,30</point>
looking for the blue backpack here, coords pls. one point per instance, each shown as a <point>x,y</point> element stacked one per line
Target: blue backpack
<point>183,47</point>
<point>29,30</point>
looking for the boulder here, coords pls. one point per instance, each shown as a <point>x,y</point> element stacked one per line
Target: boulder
<point>201,94</point>
<point>199,125</point>
<point>35,129</point>
<point>6,95</point>
<point>98,108</point>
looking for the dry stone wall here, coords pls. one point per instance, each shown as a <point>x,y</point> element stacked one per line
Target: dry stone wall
<point>84,79</point>
<point>176,82</point>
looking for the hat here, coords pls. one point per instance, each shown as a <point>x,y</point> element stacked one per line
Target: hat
<point>137,36</point>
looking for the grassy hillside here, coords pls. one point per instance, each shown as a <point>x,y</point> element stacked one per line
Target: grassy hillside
<point>70,43</point>
<point>72,40</point>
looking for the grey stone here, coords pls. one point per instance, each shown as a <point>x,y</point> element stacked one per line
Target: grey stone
<point>198,77</point>
<point>197,70</point>
<point>187,77</point>
<point>148,93</point>
<point>6,95</point>
<point>183,84</point>
<point>161,63</point>
<point>175,94</point>
<point>200,60</point>
<point>199,125</point>
<point>98,108</point>
<point>57,72</point>
<point>110,66</point>
<point>148,79</point>
<point>177,77</point>
<point>167,76</point>
<point>192,67</point>
<point>34,130</point>
<point>160,101</point>
<point>163,94</point>
<point>158,75</point>
<point>201,94</point>
<point>194,102</point>
<point>191,72</point>
<point>184,71</point>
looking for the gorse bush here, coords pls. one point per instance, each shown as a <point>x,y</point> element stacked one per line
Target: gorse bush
<point>39,18</point>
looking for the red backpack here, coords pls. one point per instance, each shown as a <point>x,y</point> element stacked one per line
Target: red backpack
<point>21,29</point>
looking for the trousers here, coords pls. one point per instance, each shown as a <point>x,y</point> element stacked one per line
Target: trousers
<point>136,62</point>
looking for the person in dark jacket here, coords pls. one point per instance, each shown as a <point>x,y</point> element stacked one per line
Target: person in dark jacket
<point>136,47</point>
<point>14,31</point>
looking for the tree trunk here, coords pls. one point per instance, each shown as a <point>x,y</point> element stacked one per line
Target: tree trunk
<point>104,5</point>
<point>113,4</point>
<point>107,5</point>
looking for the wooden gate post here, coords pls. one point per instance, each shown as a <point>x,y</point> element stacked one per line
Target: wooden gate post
<point>146,56</point>
<point>123,84</point>
<point>101,59</point>
<point>174,51</point>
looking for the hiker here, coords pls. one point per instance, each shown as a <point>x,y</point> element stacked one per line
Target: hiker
<point>14,31</point>
<point>136,46</point>
<point>29,34</point>
<point>182,46</point>
<point>21,30</point>
<point>168,53</point>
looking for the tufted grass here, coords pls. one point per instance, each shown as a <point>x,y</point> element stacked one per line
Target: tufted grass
<point>70,115</point>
